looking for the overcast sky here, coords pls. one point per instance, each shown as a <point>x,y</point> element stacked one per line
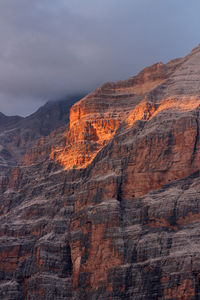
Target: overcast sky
<point>50,48</point>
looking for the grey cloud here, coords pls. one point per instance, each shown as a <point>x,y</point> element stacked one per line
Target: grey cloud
<point>50,48</point>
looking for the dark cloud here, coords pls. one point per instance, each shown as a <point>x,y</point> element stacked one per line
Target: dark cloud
<point>50,48</point>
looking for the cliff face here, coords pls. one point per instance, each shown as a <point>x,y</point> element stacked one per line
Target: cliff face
<point>110,207</point>
<point>18,135</point>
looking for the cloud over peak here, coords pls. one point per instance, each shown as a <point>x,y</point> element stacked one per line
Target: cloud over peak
<point>50,48</point>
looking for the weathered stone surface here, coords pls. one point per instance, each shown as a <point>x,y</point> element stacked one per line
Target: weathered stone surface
<point>17,134</point>
<point>109,208</point>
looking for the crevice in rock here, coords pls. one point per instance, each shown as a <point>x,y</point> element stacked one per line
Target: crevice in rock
<point>122,214</point>
<point>196,138</point>
<point>173,218</point>
<point>120,199</point>
<point>196,275</point>
<point>64,185</point>
<point>67,265</point>
<point>119,190</point>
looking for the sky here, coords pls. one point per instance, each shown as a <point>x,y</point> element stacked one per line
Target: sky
<point>49,49</point>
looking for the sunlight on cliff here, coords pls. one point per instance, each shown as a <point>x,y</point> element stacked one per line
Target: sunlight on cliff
<point>141,88</point>
<point>89,132</point>
<point>84,140</point>
<point>147,110</point>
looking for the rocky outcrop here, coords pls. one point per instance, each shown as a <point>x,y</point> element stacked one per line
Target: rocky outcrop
<point>19,135</point>
<point>109,207</point>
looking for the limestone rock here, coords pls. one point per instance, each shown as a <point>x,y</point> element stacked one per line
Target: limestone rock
<point>109,207</point>
<point>18,135</point>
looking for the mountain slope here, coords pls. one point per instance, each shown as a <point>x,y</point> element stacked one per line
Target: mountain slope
<point>110,208</point>
<point>19,134</point>
<point>6,121</point>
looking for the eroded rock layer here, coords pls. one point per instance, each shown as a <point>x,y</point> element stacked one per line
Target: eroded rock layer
<point>110,208</point>
<point>18,134</point>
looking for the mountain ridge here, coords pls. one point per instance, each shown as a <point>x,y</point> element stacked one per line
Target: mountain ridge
<point>18,133</point>
<point>109,206</point>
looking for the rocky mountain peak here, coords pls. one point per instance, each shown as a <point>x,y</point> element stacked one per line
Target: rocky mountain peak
<point>6,121</point>
<point>196,49</point>
<point>108,207</point>
<point>96,118</point>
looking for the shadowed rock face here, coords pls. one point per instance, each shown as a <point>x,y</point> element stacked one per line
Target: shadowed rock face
<point>109,208</point>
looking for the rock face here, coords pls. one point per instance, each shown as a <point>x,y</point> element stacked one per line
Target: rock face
<point>109,208</point>
<point>18,134</point>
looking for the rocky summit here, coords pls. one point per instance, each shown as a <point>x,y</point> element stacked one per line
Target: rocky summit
<point>108,206</point>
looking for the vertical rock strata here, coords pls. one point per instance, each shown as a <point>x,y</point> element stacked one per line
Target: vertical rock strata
<point>110,209</point>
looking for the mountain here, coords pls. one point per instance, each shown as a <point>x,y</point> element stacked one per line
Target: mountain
<point>6,121</point>
<point>19,134</point>
<point>109,206</point>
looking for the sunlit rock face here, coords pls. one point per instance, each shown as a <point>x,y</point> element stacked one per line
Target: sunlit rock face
<point>95,119</point>
<point>18,135</point>
<point>109,207</point>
